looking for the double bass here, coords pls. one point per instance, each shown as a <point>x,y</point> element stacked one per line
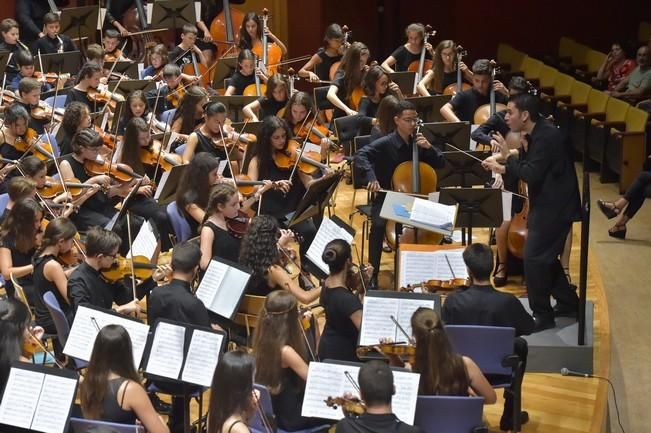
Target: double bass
<point>222,29</point>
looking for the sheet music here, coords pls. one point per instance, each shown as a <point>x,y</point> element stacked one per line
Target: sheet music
<point>507,205</point>
<point>473,144</point>
<point>433,214</point>
<point>145,242</point>
<point>328,231</point>
<point>83,333</point>
<point>149,11</point>
<point>100,18</point>
<point>57,395</point>
<point>202,357</point>
<point>197,10</point>
<point>161,184</point>
<point>376,323</point>
<point>20,397</point>
<point>166,355</point>
<point>419,266</point>
<point>404,400</point>
<point>406,309</point>
<point>222,166</point>
<point>212,279</point>
<point>230,292</point>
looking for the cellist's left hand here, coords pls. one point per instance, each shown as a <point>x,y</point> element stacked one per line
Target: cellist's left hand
<point>421,141</point>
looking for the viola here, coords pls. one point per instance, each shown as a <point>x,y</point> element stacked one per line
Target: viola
<point>351,406</point>
<point>104,96</point>
<point>175,96</point>
<point>155,154</point>
<point>121,172</point>
<point>317,133</point>
<point>397,349</point>
<point>53,187</point>
<point>31,141</point>
<point>142,268</point>
<point>238,225</point>
<point>308,163</point>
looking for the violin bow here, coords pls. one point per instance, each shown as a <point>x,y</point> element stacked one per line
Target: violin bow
<point>352,381</point>
<point>449,266</point>
<point>40,344</point>
<point>227,152</point>
<point>133,272</point>
<point>263,416</point>
<point>298,157</point>
<point>401,329</point>
<point>361,269</point>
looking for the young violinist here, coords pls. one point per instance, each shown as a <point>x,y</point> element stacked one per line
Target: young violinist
<point>18,242</point>
<point>264,249</point>
<point>15,128</point>
<point>282,356</point>
<point>75,118</point>
<point>444,70</point>
<point>463,105</point>
<point>189,113</point>
<point>273,141</point>
<point>297,109</point>
<point>87,79</point>
<point>245,74</point>
<point>170,94</point>
<point>194,188</point>
<point>376,85</point>
<point>18,188</point>
<point>35,170</point>
<point>232,407</point>
<point>137,107</point>
<point>157,60</point>
<point>345,91</point>
<point>271,103</point>
<point>318,67</point>
<point>376,389</point>
<point>343,308</point>
<point>251,34</point>
<point>112,390</point>
<point>378,160</point>
<point>25,64</point>
<point>87,285</point>
<point>10,42</point>
<point>111,44</point>
<point>184,52</point>
<point>29,91</point>
<point>405,54</point>
<point>52,41</point>
<point>207,138</point>
<point>49,274</point>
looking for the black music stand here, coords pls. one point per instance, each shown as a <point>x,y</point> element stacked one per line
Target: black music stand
<point>441,133</point>
<point>127,87</point>
<point>250,128</point>
<point>224,69</point>
<point>478,207</point>
<point>169,184</point>
<point>80,21</point>
<point>234,105</point>
<point>405,80</point>
<point>130,69</point>
<point>429,107</point>
<point>173,14</point>
<point>4,61</point>
<point>316,198</point>
<point>462,170</point>
<point>60,63</point>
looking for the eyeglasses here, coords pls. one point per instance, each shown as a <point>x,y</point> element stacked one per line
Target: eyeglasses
<point>413,120</point>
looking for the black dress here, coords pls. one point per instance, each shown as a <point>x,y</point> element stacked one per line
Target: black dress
<point>288,403</point>
<point>240,82</point>
<point>111,410</point>
<point>323,68</point>
<point>42,285</point>
<point>404,57</point>
<point>224,244</point>
<point>339,339</point>
<point>205,144</point>
<point>19,259</point>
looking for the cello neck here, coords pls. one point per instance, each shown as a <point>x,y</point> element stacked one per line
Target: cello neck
<point>230,37</point>
<point>415,163</point>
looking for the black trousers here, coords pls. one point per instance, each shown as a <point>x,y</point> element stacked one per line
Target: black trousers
<point>86,218</point>
<point>543,270</point>
<point>376,234</point>
<point>636,193</point>
<point>149,209</point>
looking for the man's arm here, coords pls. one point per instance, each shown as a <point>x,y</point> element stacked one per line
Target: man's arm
<point>24,17</point>
<point>494,123</point>
<point>539,158</point>
<point>448,113</point>
<point>365,160</point>
<point>78,293</point>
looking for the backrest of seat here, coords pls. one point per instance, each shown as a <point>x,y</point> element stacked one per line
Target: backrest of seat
<point>616,110</point>
<point>548,76</point>
<point>644,32</point>
<point>517,60</point>
<point>60,322</point>
<point>597,101</point>
<point>503,53</point>
<point>256,422</point>
<point>4,201</point>
<point>448,414</point>
<point>580,54</point>
<point>594,60</point>
<point>565,45</point>
<point>486,345</point>
<point>80,425</point>
<point>179,224</point>
<point>249,311</point>
<point>169,114</point>
<point>348,127</point>
<point>564,84</point>
<point>580,92</point>
<point>531,68</point>
<point>636,120</point>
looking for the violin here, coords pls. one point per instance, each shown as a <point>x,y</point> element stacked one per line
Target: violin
<point>75,254</point>
<point>238,225</point>
<point>104,96</point>
<point>317,133</point>
<point>50,77</point>
<point>119,171</point>
<point>31,141</point>
<point>351,406</point>
<point>53,187</point>
<point>358,279</point>
<point>142,268</point>
<point>175,96</point>
<point>30,346</point>
<point>246,186</point>
<point>401,349</point>
<point>115,56</point>
<point>109,139</point>
<point>308,163</point>
<point>433,286</point>
<point>8,97</point>
<point>154,154</point>
<point>44,112</point>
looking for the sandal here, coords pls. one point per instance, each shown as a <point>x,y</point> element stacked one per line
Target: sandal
<point>617,231</point>
<point>500,281</point>
<point>608,208</point>
<point>567,274</point>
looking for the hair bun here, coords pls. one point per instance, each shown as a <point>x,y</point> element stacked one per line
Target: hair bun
<point>329,255</point>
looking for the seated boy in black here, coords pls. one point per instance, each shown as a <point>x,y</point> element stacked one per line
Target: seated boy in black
<point>376,390</point>
<point>52,42</point>
<point>169,96</point>
<point>182,53</point>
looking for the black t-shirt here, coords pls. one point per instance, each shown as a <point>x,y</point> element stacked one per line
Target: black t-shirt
<point>180,56</point>
<point>205,144</point>
<point>467,102</point>
<point>240,82</point>
<point>47,45</point>
<point>12,67</point>
<point>341,92</point>
<point>323,68</point>
<point>339,339</point>
<point>404,58</point>
<point>175,301</point>
<point>76,95</point>
<point>42,285</point>
<point>269,106</point>
<point>19,259</point>
<point>99,202</point>
<point>274,202</point>
<point>367,107</point>
<point>224,245</point>
<point>375,423</point>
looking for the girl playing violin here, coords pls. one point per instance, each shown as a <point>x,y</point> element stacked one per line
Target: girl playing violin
<point>18,242</point>
<point>215,238</point>
<point>49,275</point>
<point>282,357</point>
<point>75,118</point>
<point>251,34</point>
<point>18,188</point>
<point>405,54</point>
<point>343,308</point>
<point>444,70</point>
<point>271,103</point>
<point>194,188</point>
<point>189,114</point>
<point>298,107</point>
<point>345,91</point>
<point>376,85</point>
<point>87,79</point>
<point>245,74</point>
<point>261,251</point>
<point>137,107</point>
<point>318,67</point>
<point>34,169</point>
<point>15,128</point>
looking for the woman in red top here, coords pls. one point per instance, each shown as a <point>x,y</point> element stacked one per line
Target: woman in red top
<point>617,65</point>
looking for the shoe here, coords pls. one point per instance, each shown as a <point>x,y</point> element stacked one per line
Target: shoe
<point>566,311</point>
<point>619,233</point>
<point>160,405</point>
<point>506,423</point>
<point>609,211</point>
<point>386,248</point>
<point>542,323</point>
<point>500,281</point>
<point>567,274</point>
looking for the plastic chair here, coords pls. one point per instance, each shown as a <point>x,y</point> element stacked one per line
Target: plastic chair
<point>264,403</point>
<point>55,145</point>
<point>4,201</point>
<point>80,425</point>
<point>179,224</point>
<point>61,324</point>
<point>58,103</point>
<point>167,115</point>
<point>449,414</point>
<point>180,149</point>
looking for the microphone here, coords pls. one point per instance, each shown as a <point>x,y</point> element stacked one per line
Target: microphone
<point>568,372</point>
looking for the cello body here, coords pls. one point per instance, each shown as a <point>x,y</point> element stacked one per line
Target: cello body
<point>517,234</point>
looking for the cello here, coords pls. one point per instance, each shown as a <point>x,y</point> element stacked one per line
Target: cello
<point>423,64</point>
<point>222,28</point>
<point>459,86</point>
<point>517,234</point>
<point>485,111</point>
<point>342,48</point>
<point>271,54</point>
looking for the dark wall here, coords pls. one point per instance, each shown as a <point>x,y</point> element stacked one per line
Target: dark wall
<point>531,26</point>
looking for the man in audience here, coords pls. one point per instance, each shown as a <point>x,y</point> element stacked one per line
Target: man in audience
<point>481,304</point>
<point>637,85</point>
<point>376,390</point>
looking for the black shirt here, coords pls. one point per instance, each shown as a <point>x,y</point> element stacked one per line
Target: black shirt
<point>467,102</point>
<point>380,158</point>
<point>339,338</point>
<point>495,123</point>
<point>338,81</point>
<point>12,67</point>
<point>274,202</point>
<point>19,259</point>
<point>240,82</point>
<point>47,45</point>
<point>164,103</point>
<point>180,56</point>
<point>87,286</point>
<point>175,301</point>
<point>30,13</point>
<point>485,306</point>
<point>115,10</point>
<point>404,57</point>
<point>224,245</point>
<point>42,285</point>
<point>375,423</point>
<point>269,106</point>
<point>323,68</point>
<point>76,95</point>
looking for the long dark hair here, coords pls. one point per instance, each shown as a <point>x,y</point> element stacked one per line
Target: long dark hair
<point>245,39</point>
<point>442,371</point>
<point>371,78</point>
<point>137,94</point>
<point>130,145</point>
<point>438,66</point>
<point>298,98</point>
<point>350,65</point>
<point>258,250</point>
<point>14,320</point>
<point>20,224</point>
<point>112,352</point>
<point>264,149</point>
<point>233,385</point>
<point>187,108</point>
<point>58,229</point>
<point>278,326</point>
<point>194,186</point>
